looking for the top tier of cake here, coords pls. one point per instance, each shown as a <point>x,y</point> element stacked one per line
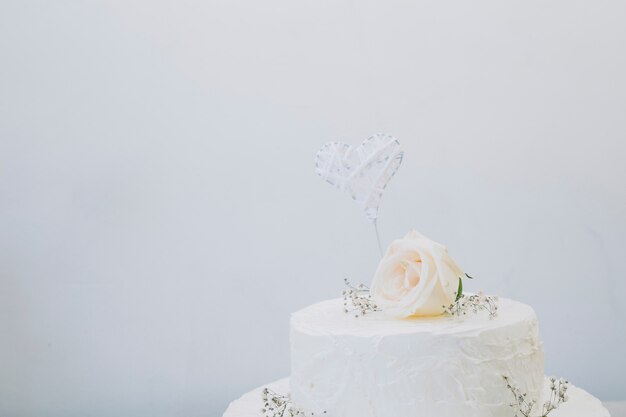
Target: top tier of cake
<point>374,366</point>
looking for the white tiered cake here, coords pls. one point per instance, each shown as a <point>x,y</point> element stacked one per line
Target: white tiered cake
<point>478,357</point>
<point>375,366</point>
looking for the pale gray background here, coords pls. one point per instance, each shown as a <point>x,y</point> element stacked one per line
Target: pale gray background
<point>159,214</point>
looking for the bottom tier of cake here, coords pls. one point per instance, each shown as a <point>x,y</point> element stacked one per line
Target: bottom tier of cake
<point>580,403</point>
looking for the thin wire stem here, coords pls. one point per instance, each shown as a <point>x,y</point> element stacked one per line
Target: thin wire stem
<point>380,246</point>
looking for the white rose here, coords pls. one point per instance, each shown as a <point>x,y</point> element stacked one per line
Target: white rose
<point>416,277</point>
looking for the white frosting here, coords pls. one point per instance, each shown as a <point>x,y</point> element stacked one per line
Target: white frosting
<point>375,366</point>
<point>580,404</point>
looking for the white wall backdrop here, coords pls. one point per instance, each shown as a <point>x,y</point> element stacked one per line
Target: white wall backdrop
<point>159,214</point>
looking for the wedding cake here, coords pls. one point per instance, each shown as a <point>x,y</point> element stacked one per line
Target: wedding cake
<point>415,344</point>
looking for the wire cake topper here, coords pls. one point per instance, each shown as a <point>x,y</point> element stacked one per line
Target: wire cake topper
<point>362,172</point>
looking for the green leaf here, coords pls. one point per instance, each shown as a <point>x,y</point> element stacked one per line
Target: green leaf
<point>459,292</point>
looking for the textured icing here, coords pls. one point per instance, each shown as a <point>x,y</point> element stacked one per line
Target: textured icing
<point>580,404</point>
<point>375,366</point>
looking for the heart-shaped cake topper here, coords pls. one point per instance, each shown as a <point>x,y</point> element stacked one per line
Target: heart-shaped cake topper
<point>363,171</point>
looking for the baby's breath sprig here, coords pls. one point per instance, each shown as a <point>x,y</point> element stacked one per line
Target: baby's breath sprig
<point>523,406</point>
<point>473,303</point>
<point>277,405</point>
<point>357,299</point>
<point>558,395</point>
